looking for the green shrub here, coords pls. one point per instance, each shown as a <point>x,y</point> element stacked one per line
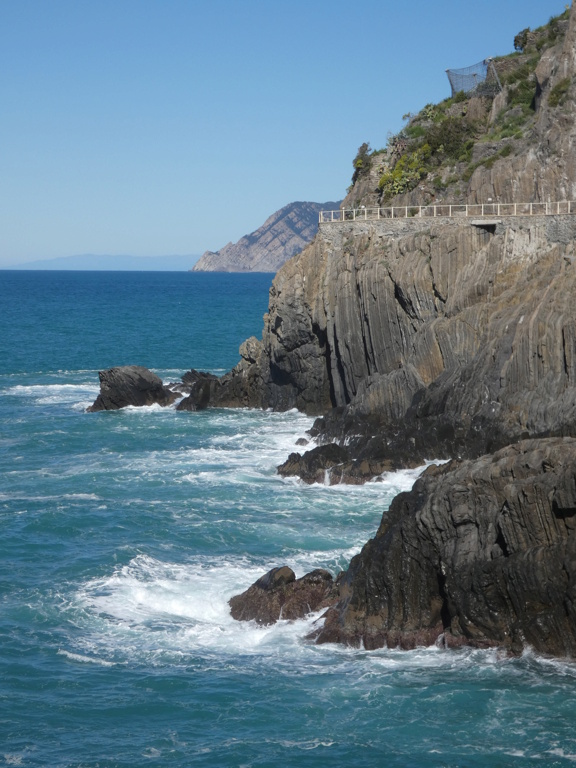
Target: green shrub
<point>429,111</point>
<point>559,92</point>
<point>521,39</point>
<point>415,131</point>
<point>449,137</point>
<point>406,174</point>
<point>522,94</point>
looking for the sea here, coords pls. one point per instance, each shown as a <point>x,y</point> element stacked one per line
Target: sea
<point>124,534</point>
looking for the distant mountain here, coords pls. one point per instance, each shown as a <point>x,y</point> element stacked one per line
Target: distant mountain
<point>113,263</point>
<point>281,236</point>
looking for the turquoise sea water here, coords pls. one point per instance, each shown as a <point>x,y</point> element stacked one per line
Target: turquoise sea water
<point>124,534</point>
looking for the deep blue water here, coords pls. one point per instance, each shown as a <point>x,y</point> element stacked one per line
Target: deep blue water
<point>124,534</point>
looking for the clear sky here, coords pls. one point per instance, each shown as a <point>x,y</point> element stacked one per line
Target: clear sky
<point>151,127</point>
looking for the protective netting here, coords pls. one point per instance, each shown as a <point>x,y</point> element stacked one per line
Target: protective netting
<point>480,79</point>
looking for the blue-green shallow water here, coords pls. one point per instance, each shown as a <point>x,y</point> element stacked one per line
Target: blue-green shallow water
<point>124,534</point>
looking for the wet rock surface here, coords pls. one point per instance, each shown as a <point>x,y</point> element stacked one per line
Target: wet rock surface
<point>313,466</point>
<point>280,595</point>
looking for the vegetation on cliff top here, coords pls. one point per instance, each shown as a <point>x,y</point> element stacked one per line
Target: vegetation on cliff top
<point>441,146</point>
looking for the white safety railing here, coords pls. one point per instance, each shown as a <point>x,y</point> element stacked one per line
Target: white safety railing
<point>447,210</point>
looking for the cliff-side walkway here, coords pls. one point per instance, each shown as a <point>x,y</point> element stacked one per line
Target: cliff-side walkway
<point>447,210</point>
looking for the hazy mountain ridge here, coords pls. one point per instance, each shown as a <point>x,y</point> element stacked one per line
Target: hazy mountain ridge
<point>283,235</point>
<point>94,262</point>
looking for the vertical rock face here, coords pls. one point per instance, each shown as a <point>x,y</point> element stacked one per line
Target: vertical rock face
<point>442,338</point>
<point>446,341</point>
<point>481,553</point>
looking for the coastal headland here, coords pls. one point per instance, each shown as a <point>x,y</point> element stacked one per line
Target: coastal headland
<point>445,338</point>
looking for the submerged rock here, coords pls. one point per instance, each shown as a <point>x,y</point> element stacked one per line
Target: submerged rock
<point>280,595</point>
<point>131,385</point>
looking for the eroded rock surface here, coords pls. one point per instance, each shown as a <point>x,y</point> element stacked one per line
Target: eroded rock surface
<point>479,553</point>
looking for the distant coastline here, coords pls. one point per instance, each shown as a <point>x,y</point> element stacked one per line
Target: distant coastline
<point>93,262</point>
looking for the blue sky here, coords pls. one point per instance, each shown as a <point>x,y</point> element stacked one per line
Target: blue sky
<point>151,127</point>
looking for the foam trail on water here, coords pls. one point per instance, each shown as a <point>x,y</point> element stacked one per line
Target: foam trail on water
<point>85,659</point>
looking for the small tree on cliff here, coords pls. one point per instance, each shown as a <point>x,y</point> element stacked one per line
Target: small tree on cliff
<point>362,162</point>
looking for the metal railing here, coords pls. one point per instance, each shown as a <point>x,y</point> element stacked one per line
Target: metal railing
<point>451,211</point>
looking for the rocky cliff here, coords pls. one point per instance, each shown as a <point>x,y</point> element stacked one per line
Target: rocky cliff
<point>282,235</point>
<point>421,338</point>
<point>479,553</point>
<point>447,338</point>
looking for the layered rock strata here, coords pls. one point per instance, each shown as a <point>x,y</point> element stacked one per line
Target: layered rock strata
<point>437,339</point>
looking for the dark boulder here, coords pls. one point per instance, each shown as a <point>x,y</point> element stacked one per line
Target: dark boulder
<point>479,553</point>
<point>312,466</point>
<point>130,385</point>
<point>280,595</point>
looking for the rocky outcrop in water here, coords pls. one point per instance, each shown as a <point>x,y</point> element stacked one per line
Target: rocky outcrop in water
<point>479,553</point>
<point>131,385</point>
<point>199,385</point>
<point>282,235</point>
<point>280,595</point>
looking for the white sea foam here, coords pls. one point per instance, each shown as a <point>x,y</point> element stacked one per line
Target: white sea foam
<point>155,607</point>
<point>85,659</point>
<point>14,759</point>
<point>44,498</point>
<point>53,394</point>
